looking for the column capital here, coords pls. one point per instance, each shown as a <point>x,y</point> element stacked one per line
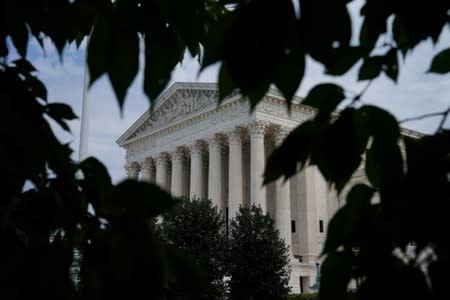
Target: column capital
<point>215,141</point>
<point>132,168</point>
<point>147,163</point>
<point>178,154</point>
<point>257,128</point>
<point>280,133</point>
<point>162,158</point>
<point>235,135</point>
<point>197,147</point>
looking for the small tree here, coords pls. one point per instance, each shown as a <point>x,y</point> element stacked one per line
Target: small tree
<point>197,227</point>
<point>258,260</point>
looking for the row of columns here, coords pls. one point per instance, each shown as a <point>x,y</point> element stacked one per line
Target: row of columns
<point>215,148</point>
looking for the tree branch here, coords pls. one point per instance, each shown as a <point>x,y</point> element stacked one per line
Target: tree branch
<point>435,114</point>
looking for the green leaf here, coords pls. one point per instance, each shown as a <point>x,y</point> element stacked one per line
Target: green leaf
<point>441,62</point>
<point>24,66</point>
<point>390,67</point>
<point>384,164</point>
<point>343,59</point>
<point>188,18</point>
<point>371,67</point>
<point>321,37</point>
<point>379,123</point>
<point>336,272</point>
<point>289,73</point>
<point>148,200</point>
<point>325,97</point>
<point>37,87</point>
<point>346,226</point>
<point>261,30</point>
<point>60,110</point>
<point>400,35</point>
<point>123,63</point>
<point>226,85</point>
<point>339,154</point>
<point>163,51</point>
<point>216,39</point>
<point>297,146</point>
<point>98,48</point>
<point>19,37</point>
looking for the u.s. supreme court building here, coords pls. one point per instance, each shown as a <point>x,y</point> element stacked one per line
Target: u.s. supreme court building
<point>193,147</point>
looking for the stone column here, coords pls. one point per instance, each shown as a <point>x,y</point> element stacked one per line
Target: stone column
<point>132,170</point>
<point>215,170</point>
<point>257,162</point>
<point>162,162</point>
<point>177,172</point>
<point>148,166</point>
<point>196,186</point>
<point>283,201</point>
<point>235,172</point>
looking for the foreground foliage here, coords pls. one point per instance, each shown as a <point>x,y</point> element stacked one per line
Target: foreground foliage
<point>258,43</point>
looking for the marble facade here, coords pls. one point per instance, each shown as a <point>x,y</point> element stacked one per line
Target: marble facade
<point>193,147</point>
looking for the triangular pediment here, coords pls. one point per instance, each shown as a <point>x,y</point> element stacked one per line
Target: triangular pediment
<point>181,101</point>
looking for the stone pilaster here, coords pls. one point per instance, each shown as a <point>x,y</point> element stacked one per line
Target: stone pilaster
<point>235,191</point>
<point>257,162</point>
<point>132,170</point>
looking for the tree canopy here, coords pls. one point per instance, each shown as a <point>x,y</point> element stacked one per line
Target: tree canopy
<point>196,226</point>
<point>258,43</point>
<point>258,260</point>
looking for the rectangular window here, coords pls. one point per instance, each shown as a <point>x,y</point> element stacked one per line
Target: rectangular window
<point>293,226</point>
<point>321,226</point>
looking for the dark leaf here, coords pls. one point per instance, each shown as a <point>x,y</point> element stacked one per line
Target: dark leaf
<point>346,226</point>
<point>379,123</point>
<point>261,30</point>
<point>321,36</point>
<point>148,200</point>
<point>441,62</point>
<point>60,110</point>
<point>339,154</point>
<point>336,272</point>
<point>297,146</point>
<point>290,70</point>
<point>325,97</point>
<point>37,87</point>
<point>20,38</point>
<point>371,67</point>
<point>24,66</point>
<point>390,67</point>
<point>123,59</point>
<point>98,48</point>
<point>163,51</point>
<point>343,59</point>
<point>226,85</point>
<point>216,38</point>
<point>188,18</point>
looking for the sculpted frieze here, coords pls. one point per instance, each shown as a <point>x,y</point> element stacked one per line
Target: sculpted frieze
<point>278,108</point>
<point>183,103</point>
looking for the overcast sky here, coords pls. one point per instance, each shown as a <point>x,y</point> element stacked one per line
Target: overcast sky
<point>416,93</point>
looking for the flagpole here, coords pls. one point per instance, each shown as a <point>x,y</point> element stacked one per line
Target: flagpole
<point>83,150</point>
